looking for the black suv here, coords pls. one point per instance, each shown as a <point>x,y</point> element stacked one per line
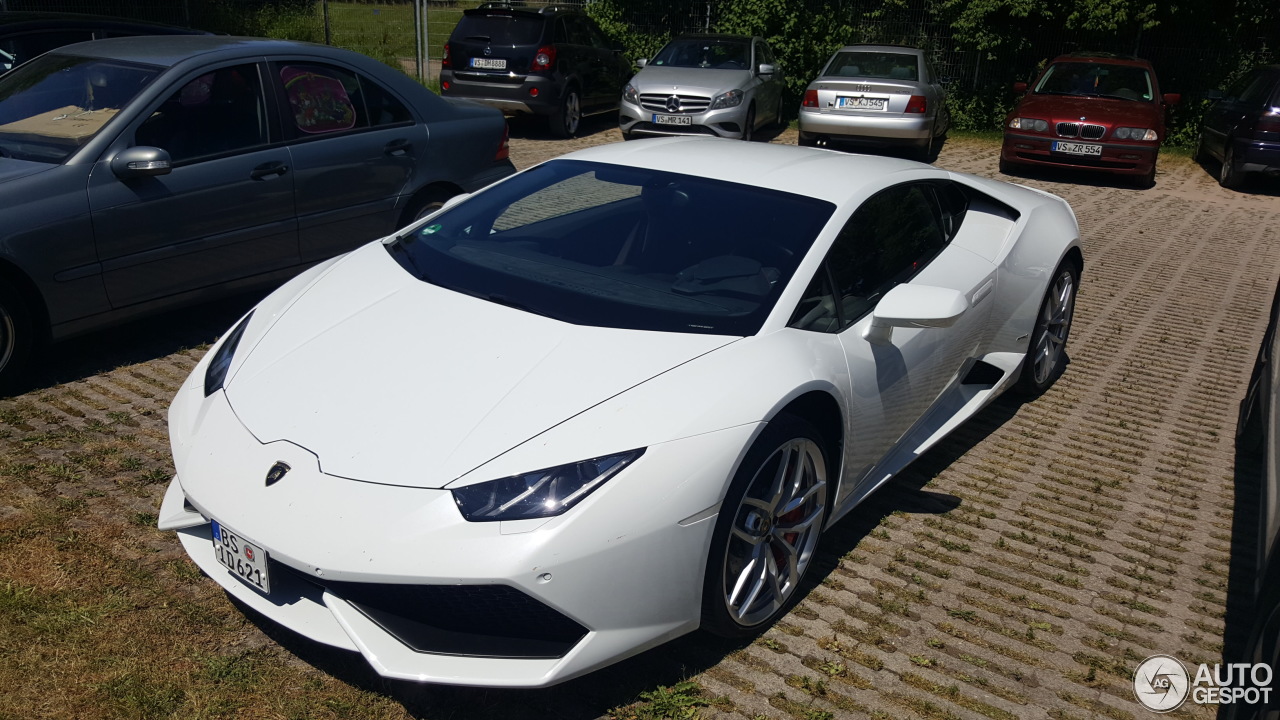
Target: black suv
<point>553,62</point>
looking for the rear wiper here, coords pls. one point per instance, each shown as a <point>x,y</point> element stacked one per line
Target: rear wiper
<point>485,38</point>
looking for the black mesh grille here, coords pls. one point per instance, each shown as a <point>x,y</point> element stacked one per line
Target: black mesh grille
<point>675,129</point>
<point>471,620</point>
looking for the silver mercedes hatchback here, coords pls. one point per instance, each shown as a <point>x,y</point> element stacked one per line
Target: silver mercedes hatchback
<point>876,94</point>
<point>719,85</point>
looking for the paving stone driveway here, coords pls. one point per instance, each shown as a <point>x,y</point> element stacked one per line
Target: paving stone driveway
<point>1019,570</point>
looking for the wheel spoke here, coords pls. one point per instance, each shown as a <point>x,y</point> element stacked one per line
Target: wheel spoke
<point>798,502</point>
<point>761,577</point>
<point>745,576</point>
<point>800,525</point>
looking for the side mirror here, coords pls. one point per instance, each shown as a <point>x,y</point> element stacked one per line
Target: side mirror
<point>918,306</point>
<point>1172,98</point>
<point>1214,95</point>
<point>766,69</point>
<point>141,161</point>
<point>1020,87</point>
<point>642,62</point>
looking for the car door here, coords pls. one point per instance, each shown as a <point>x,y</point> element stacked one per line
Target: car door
<point>223,213</point>
<point>771,85</point>
<point>899,235</point>
<point>605,89</point>
<point>615,70</point>
<point>355,149</point>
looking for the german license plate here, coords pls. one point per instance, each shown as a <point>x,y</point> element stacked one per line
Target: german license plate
<point>1074,148</point>
<point>489,63</point>
<point>672,120</point>
<point>246,560</point>
<point>861,103</point>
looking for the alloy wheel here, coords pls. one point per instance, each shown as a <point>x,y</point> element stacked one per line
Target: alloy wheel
<point>774,532</point>
<point>1054,326</point>
<point>572,113</point>
<point>8,337</point>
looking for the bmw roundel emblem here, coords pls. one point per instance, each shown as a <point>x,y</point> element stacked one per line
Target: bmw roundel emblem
<point>277,472</point>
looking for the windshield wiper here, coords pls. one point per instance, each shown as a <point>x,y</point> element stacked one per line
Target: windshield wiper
<point>501,299</point>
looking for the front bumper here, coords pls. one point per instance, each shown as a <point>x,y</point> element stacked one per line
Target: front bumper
<point>512,94</point>
<point>624,567</point>
<point>831,124</point>
<point>726,123</point>
<point>1118,158</point>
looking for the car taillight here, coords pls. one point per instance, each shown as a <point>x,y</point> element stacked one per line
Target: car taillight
<point>544,59</point>
<point>444,59</point>
<point>916,104</point>
<point>1269,122</point>
<point>810,99</point>
<point>504,148</point>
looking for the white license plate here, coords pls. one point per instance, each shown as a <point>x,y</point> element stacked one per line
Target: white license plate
<point>672,120</point>
<point>1074,148</point>
<point>861,103</point>
<point>489,63</point>
<point>246,560</point>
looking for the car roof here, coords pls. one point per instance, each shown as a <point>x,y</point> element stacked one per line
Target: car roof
<point>1103,58</point>
<point>169,50</point>
<point>17,20</point>
<point>519,9</point>
<point>881,48</point>
<point>787,168</point>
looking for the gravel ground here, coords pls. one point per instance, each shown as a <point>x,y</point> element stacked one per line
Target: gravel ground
<point>1020,570</point>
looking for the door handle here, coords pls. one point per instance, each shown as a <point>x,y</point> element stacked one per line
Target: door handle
<point>268,170</point>
<point>398,147</point>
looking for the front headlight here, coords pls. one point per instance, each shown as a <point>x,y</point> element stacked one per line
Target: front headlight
<point>221,362</point>
<point>1021,123</point>
<point>630,95</point>
<point>1128,133</point>
<point>541,493</point>
<point>733,98</point>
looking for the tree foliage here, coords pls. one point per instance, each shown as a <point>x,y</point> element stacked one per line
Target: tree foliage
<point>984,45</point>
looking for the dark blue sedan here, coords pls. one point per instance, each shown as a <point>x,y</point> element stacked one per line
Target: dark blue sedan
<point>1242,128</point>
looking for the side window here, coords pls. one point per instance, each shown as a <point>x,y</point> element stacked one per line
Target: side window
<point>766,54</point>
<point>324,99</point>
<point>1257,93</point>
<point>886,241</point>
<point>579,33</point>
<point>816,310</point>
<point>597,36</point>
<point>561,32</point>
<point>217,113</point>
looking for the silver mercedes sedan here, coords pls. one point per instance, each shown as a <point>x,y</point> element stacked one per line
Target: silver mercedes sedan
<point>718,85</point>
<point>876,94</point>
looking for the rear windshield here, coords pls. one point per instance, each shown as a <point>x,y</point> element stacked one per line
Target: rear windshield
<point>616,246</point>
<point>879,65</point>
<point>497,28</point>
<point>1118,82</point>
<point>50,107</point>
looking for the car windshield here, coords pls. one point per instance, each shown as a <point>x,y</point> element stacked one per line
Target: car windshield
<point>614,246</point>
<point>1119,82</point>
<point>716,53</point>
<point>499,28</point>
<point>882,65</point>
<point>53,105</point>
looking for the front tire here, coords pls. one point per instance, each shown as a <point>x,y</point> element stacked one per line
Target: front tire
<point>1047,353</point>
<point>768,529</point>
<point>564,122</point>
<point>17,337</point>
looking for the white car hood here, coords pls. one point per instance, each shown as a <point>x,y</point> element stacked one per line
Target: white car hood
<point>693,81</point>
<point>392,380</point>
